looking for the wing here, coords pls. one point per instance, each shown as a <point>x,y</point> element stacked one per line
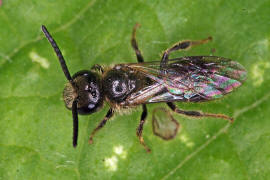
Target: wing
<point>194,78</point>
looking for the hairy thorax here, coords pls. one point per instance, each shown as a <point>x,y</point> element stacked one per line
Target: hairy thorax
<point>119,83</point>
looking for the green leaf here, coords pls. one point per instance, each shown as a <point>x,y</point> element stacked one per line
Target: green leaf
<point>36,128</point>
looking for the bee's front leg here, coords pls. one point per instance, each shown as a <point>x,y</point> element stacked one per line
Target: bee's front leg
<point>101,124</point>
<point>97,67</point>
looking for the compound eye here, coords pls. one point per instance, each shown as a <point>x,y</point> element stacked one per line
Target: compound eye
<point>93,92</point>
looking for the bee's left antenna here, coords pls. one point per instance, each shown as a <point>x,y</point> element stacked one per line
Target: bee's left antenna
<point>58,53</point>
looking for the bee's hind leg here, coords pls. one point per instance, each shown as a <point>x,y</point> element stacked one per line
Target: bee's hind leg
<point>197,114</point>
<point>134,44</point>
<point>182,45</point>
<point>140,128</point>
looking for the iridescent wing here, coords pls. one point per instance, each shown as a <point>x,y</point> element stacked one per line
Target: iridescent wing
<point>193,79</point>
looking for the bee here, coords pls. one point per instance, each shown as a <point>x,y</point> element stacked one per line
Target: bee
<point>183,79</point>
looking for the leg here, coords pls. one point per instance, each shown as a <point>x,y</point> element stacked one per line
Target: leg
<point>101,124</point>
<point>140,128</point>
<point>97,67</point>
<point>58,53</point>
<point>198,114</point>
<point>182,45</point>
<point>140,59</point>
<point>134,44</point>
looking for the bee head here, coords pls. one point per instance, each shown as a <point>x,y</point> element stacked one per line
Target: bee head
<point>86,89</point>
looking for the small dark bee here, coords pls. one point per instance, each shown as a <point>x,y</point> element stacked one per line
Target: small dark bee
<point>186,79</point>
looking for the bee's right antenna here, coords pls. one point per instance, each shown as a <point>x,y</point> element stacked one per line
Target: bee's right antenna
<point>67,74</point>
<point>58,53</point>
<point>75,122</point>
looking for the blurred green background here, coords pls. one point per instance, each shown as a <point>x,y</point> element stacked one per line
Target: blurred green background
<point>36,128</point>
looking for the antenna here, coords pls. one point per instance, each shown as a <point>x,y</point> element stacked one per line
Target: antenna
<point>58,53</point>
<point>67,74</point>
<point>75,122</point>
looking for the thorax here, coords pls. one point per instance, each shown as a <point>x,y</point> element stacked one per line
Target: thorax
<point>119,83</point>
